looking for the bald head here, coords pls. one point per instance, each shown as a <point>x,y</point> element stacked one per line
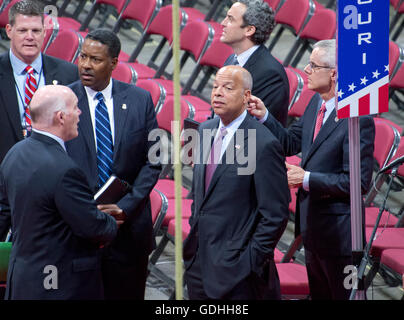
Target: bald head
<point>54,110</point>
<point>240,74</point>
<point>231,92</point>
<point>48,100</point>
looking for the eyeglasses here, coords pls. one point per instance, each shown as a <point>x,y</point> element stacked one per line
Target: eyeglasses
<point>313,67</point>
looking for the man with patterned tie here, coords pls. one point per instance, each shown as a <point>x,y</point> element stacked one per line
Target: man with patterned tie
<point>246,27</point>
<point>238,215</point>
<point>323,200</point>
<point>23,69</point>
<point>114,126</point>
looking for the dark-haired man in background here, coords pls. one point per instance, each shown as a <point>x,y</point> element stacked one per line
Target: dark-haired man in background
<point>114,126</point>
<point>248,24</point>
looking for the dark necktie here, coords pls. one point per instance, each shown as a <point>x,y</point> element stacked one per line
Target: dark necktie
<point>214,157</point>
<point>104,140</point>
<point>235,61</point>
<point>319,120</point>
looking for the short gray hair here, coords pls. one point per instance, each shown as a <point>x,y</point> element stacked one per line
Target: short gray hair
<point>260,15</point>
<point>329,47</point>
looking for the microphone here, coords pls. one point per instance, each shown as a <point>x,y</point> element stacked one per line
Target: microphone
<point>394,164</point>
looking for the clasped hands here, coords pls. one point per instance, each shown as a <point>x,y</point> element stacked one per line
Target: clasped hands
<point>114,211</point>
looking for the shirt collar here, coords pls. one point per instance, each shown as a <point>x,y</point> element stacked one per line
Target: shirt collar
<point>107,92</point>
<point>19,66</point>
<point>329,105</point>
<point>233,126</point>
<point>244,56</point>
<point>50,135</point>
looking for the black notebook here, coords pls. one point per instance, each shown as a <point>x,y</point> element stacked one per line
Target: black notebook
<point>112,191</point>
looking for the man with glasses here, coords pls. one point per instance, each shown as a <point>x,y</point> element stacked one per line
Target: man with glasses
<point>323,200</point>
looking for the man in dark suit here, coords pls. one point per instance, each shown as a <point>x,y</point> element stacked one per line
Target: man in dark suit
<point>57,229</point>
<point>129,116</point>
<point>247,26</point>
<point>26,32</point>
<point>323,200</point>
<point>240,209</point>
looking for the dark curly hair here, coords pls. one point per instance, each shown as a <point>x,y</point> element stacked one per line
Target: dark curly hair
<point>260,15</point>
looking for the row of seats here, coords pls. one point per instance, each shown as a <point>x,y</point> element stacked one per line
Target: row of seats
<point>205,50</point>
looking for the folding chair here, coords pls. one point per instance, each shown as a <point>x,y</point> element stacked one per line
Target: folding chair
<point>124,72</point>
<point>388,219</point>
<point>396,58</point>
<point>168,226</point>
<point>397,82</point>
<point>162,25</point>
<point>191,45</point>
<point>398,6</point>
<point>66,46</point>
<point>4,13</point>
<point>119,6</point>
<point>295,86</point>
<point>321,26</point>
<point>165,119</point>
<point>275,4</point>
<point>387,139</point>
<point>142,11</point>
<point>213,59</point>
<point>157,92</point>
<point>392,261</point>
<point>387,239</point>
<point>293,15</point>
<point>52,29</point>
<point>159,205</point>
<point>167,186</point>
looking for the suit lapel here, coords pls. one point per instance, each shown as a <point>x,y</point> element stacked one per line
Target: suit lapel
<point>231,151</point>
<point>120,113</point>
<point>329,126</point>
<point>253,58</point>
<point>9,95</point>
<point>49,70</point>
<point>86,126</point>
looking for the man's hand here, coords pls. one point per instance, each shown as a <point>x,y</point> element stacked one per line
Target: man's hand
<point>256,107</point>
<point>295,175</point>
<point>113,210</point>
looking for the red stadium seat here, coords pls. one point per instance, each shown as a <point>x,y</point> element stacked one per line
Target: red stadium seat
<point>66,46</point>
<point>119,5</point>
<point>158,93</point>
<point>293,15</point>
<point>321,26</point>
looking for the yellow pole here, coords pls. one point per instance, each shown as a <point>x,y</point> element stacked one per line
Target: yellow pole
<point>177,163</point>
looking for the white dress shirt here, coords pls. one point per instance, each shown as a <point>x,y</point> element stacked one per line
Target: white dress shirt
<point>231,129</point>
<point>109,102</point>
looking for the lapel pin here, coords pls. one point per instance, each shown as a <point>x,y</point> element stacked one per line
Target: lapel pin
<point>237,146</point>
<point>336,119</point>
<point>124,106</point>
<point>55,82</point>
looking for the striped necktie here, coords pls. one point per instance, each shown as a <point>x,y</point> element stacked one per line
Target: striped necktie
<point>29,90</point>
<point>104,141</point>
